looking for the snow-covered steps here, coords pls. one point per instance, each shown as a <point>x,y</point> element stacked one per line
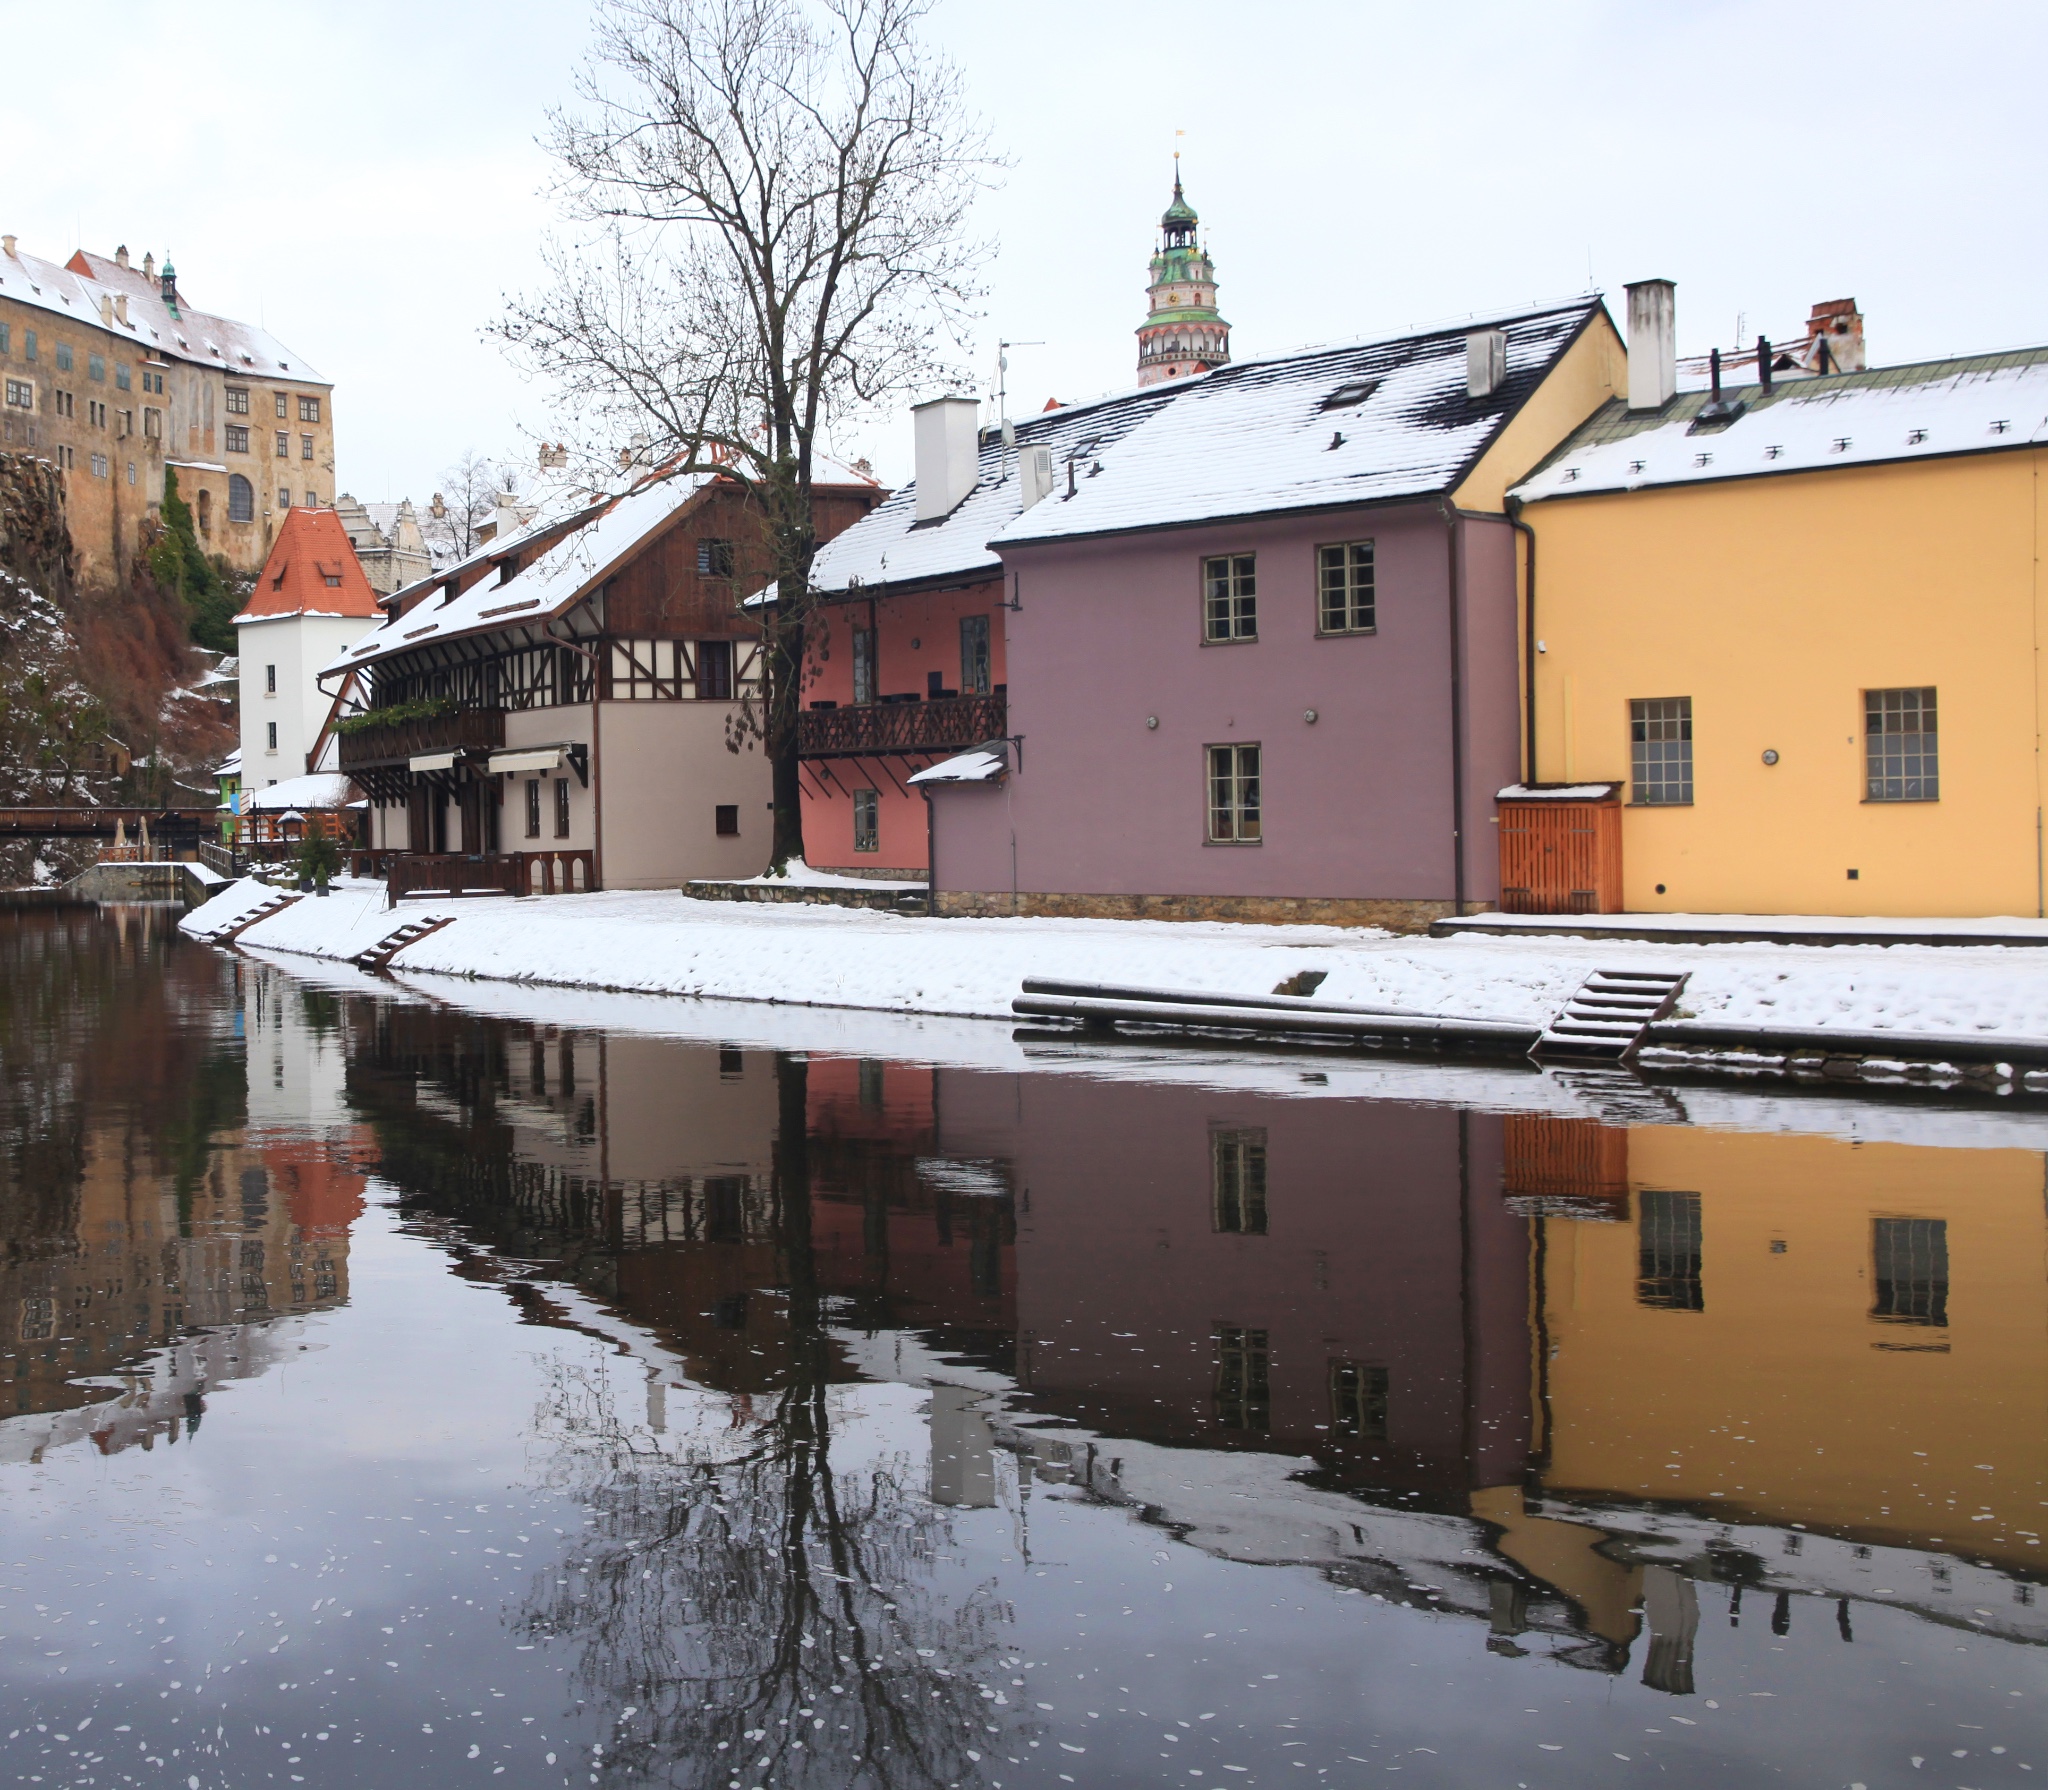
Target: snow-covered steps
<point>378,956</point>
<point>1617,1095</point>
<point>228,931</point>
<point>1605,1020</point>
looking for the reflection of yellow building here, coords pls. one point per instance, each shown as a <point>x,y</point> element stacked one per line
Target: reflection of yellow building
<point>1797,1330</point>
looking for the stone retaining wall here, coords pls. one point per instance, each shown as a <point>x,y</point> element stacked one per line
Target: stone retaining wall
<point>1260,910</point>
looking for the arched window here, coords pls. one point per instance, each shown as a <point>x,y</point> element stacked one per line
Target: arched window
<point>241,499</point>
<point>206,512</point>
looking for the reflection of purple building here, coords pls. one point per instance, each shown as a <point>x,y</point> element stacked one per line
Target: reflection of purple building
<point>1302,1276</point>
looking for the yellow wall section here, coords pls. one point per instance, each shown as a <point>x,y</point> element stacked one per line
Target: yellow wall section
<point>1774,603</point>
<point>1592,370</point>
<point>1784,1400</point>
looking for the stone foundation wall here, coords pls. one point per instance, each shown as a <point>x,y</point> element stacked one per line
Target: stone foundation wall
<point>895,901</point>
<point>873,872</point>
<point>1394,914</point>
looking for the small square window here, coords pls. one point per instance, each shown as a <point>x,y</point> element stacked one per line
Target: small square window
<point>1344,589</point>
<point>1901,759</point>
<point>726,820</point>
<point>1230,597</point>
<point>714,559</point>
<point>1660,750</point>
<point>1235,795</point>
<point>867,820</point>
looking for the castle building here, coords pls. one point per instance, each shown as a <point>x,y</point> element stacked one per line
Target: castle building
<point>1183,333</point>
<point>114,377</point>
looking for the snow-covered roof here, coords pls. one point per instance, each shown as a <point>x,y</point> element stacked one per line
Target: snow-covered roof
<point>320,789</point>
<point>230,766</point>
<point>978,766</point>
<point>564,572</point>
<point>74,291</point>
<point>1257,436</point>
<point>1938,408</point>
<point>1558,792</point>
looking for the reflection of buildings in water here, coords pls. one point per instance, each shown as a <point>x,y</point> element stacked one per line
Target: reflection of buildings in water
<point>1369,1338</point>
<point>181,1220</point>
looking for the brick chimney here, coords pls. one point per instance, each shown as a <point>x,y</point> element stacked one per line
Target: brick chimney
<point>1834,337</point>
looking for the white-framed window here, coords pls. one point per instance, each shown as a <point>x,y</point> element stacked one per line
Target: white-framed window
<point>1901,745</point>
<point>1230,597</point>
<point>1235,795</point>
<point>1660,750</point>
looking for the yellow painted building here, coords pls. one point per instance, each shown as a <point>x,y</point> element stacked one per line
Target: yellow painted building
<point>1805,634</point>
<point>1804,1331</point>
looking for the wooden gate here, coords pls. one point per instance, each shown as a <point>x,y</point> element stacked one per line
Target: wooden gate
<point>1560,852</point>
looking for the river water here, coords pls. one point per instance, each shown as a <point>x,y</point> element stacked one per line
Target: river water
<point>423,1385</point>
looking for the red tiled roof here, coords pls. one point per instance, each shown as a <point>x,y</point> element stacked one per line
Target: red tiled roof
<point>311,549</point>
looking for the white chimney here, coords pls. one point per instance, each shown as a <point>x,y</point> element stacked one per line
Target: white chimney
<point>948,454</point>
<point>1034,474</point>
<point>121,306</point>
<point>1486,362</point>
<point>1652,344</point>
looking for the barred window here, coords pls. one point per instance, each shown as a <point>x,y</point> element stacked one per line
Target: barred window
<point>1230,597</point>
<point>1912,1270</point>
<point>1237,1180</point>
<point>1900,735</point>
<point>1358,1400</point>
<point>1660,749</point>
<point>1668,1251</point>
<point>867,820</point>
<point>714,559</point>
<point>1244,1388</point>
<point>1234,795</point>
<point>1344,583</point>
<point>241,499</point>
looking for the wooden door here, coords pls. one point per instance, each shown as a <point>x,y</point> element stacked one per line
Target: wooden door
<point>1560,857</point>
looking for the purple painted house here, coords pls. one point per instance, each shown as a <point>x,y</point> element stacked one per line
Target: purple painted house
<point>1260,627</point>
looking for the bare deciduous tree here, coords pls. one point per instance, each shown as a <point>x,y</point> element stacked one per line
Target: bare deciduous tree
<point>468,499</point>
<point>773,197</point>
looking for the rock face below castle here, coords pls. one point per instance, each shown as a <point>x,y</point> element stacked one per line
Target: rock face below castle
<point>1184,333</point>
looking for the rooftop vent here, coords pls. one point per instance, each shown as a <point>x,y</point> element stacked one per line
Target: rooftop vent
<point>1486,362</point>
<point>1034,473</point>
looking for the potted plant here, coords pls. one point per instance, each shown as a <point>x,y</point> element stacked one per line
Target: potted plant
<point>319,859</point>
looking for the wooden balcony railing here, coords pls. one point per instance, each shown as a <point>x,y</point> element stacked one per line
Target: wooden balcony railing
<point>950,724</point>
<point>466,730</point>
<point>559,872</point>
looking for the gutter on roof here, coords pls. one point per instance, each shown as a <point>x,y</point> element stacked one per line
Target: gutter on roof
<point>1781,472</point>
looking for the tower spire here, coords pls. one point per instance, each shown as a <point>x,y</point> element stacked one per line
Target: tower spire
<point>1183,333</point>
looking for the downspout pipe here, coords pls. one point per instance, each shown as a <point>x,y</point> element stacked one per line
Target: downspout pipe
<point>1514,514</point>
<point>931,854</point>
<point>1454,543</point>
<point>596,758</point>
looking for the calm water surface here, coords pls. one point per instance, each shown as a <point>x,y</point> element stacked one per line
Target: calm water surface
<point>406,1395</point>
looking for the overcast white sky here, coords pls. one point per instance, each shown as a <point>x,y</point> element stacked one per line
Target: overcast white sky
<point>364,178</point>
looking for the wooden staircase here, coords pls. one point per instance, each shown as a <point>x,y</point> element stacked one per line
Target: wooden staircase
<point>229,931</point>
<point>377,958</point>
<point>1605,1020</point>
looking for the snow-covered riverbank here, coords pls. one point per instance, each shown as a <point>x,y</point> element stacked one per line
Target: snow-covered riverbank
<point>666,943</point>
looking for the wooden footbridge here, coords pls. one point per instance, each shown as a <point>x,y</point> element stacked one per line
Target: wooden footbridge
<point>170,826</point>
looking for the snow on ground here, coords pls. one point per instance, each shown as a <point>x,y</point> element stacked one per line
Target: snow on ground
<point>660,942</point>
<point>801,876</point>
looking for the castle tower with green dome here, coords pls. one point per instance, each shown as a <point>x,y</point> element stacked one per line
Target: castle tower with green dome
<point>1184,333</point>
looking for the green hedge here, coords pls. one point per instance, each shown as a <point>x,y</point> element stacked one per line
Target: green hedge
<point>427,708</point>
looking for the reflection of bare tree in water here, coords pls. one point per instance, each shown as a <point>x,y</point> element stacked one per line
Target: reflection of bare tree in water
<point>768,1613</point>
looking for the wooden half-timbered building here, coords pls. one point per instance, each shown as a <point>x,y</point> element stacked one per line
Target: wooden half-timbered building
<point>562,710</point>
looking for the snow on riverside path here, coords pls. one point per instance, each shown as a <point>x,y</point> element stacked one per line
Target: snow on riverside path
<point>664,943</point>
